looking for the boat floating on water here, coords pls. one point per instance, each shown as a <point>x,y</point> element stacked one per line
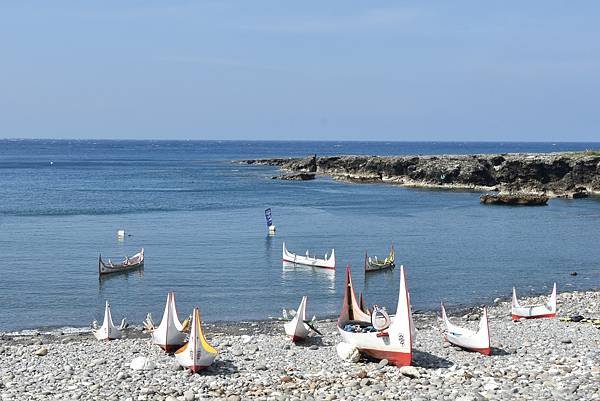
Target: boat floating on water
<point>374,264</point>
<point>127,264</point>
<point>378,335</point>
<point>534,311</point>
<point>477,341</point>
<point>328,262</point>
<point>170,334</point>
<point>108,330</point>
<point>197,354</point>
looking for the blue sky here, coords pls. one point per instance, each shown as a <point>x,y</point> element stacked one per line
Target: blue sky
<point>402,70</point>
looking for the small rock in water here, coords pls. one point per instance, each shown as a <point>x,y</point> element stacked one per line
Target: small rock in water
<point>573,273</point>
<point>410,371</point>
<point>42,351</point>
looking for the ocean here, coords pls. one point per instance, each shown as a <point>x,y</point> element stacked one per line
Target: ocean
<point>200,219</point>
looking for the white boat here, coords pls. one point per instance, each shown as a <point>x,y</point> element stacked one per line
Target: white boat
<point>534,311</point>
<point>197,354</point>
<point>107,331</point>
<point>169,335</point>
<point>478,341</point>
<point>388,337</point>
<point>328,262</point>
<point>296,328</point>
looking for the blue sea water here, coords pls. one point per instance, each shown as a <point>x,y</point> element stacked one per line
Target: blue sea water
<point>200,219</point>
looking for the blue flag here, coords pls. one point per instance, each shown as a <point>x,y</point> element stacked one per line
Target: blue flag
<point>268,216</point>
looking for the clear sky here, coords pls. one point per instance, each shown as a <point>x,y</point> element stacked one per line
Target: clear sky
<point>355,70</point>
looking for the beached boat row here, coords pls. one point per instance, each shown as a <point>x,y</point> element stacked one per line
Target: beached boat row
<point>186,340</point>
<point>372,332</point>
<point>377,334</point>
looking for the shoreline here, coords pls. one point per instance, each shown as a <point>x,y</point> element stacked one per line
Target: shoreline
<point>531,360</point>
<point>556,175</point>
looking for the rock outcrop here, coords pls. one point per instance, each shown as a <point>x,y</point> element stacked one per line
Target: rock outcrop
<point>552,174</point>
<point>514,199</point>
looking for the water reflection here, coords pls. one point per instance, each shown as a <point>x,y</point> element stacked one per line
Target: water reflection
<point>107,280</point>
<point>293,272</point>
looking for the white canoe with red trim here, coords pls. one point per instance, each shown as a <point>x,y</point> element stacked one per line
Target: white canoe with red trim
<point>477,341</point>
<point>296,328</point>
<point>197,354</point>
<point>107,331</point>
<point>169,335</point>
<point>534,311</point>
<point>393,343</point>
<point>328,262</point>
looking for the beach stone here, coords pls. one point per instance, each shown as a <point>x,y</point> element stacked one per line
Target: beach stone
<point>236,351</point>
<point>142,363</point>
<point>410,371</point>
<point>246,339</point>
<point>313,347</point>
<point>189,395</point>
<point>42,351</point>
<point>566,341</point>
<point>260,366</point>
<point>171,398</point>
<point>348,352</point>
<point>383,363</point>
<point>252,348</point>
<point>234,397</point>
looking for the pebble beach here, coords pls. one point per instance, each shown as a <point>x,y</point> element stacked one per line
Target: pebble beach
<point>531,360</point>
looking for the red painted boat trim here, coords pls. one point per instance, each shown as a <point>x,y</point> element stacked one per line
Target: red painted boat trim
<point>395,358</point>
<point>302,264</point>
<point>196,368</point>
<point>295,339</point>
<point>517,317</point>
<point>382,334</point>
<point>170,348</point>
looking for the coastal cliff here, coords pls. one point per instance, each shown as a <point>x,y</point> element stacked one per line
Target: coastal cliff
<point>553,174</point>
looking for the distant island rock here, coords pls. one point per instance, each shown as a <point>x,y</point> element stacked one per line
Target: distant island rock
<point>568,175</point>
<point>295,177</point>
<point>514,199</point>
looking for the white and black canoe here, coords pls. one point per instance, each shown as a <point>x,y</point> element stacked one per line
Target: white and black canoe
<point>134,262</point>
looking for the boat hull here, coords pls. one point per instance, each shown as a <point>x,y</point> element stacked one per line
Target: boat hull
<point>547,310</point>
<point>296,329</point>
<point>327,263</point>
<point>136,262</point>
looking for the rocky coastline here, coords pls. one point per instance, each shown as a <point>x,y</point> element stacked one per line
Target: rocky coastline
<point>563,175</point>
<point>531,360</point>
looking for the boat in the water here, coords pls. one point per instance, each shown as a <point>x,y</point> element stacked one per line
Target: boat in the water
<point>297,328</point>
<point>127,264</point>
<point>328,262</point>
<point>170,334</point>
<point>375,264</point>
<point>197,353</point>
<point>378,335</point>
<point>108,330</point>
<point>477,341</point>
<point>534,311</point>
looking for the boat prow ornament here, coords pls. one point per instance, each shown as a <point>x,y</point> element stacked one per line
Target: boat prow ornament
<point>380,318</point>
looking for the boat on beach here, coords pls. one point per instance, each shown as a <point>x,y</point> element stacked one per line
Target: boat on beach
<point>328,262</point>
<point>108,331</point>
<point>378,335</point>
<point>535,311</point>
<point>375,264</point>
<point>477,341</point>
<point>297,328</point>
<point>127,264</point>
<point>170,334</point>
<point>197,353</point>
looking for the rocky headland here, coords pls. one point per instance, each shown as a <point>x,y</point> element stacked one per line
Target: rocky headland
<point>543,359</point>
<point>569,175</point>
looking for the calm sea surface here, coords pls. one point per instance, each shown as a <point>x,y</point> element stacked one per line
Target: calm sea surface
<point>200,219</point>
